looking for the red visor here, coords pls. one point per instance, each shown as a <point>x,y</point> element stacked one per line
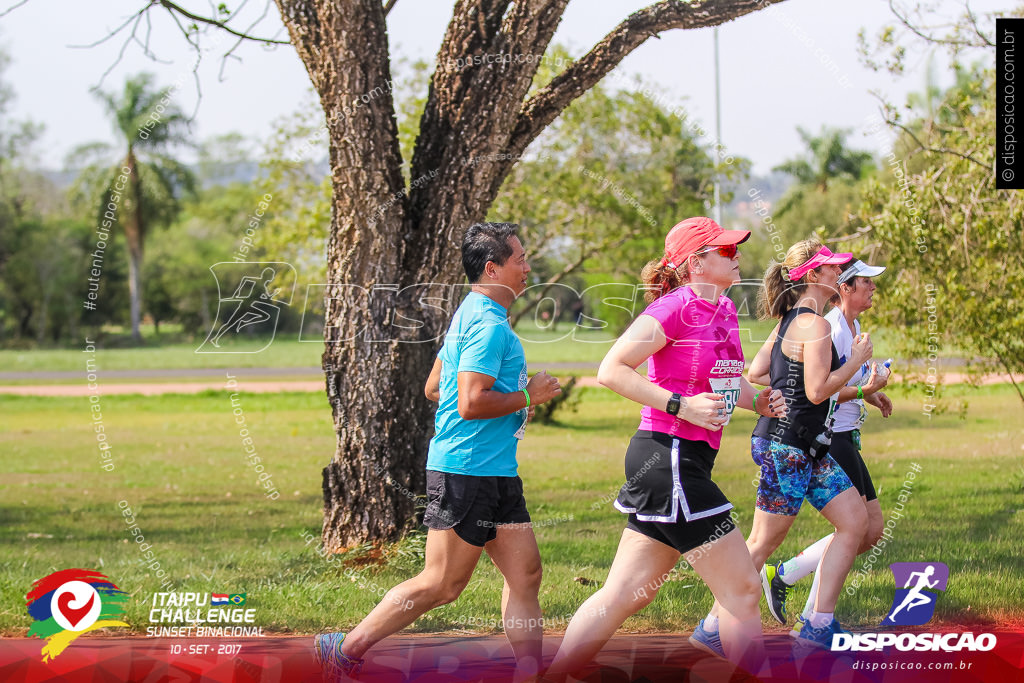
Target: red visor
<point>688,236</point>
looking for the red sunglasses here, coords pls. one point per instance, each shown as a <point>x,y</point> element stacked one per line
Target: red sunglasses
<point>728,251</point>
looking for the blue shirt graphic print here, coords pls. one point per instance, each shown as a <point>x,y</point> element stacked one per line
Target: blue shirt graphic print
<point>480,340</point>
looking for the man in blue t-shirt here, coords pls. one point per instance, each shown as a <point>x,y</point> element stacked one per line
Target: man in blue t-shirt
<point>474,494</point>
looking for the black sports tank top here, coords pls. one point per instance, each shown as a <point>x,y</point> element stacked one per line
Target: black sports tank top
<point>787,375</point>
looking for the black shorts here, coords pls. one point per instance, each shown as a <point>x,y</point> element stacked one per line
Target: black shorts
<point>474,506</point>
<point>668,477</point>
<point>669,495</point>
<point>682,535</point>
<point>845,452</point>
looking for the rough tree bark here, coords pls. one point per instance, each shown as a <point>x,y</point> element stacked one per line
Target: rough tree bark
<point>387,239</point>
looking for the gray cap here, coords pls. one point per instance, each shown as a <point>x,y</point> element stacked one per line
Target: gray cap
<point>860,269</point>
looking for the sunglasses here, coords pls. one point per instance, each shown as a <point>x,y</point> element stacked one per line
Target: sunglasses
<point>728,251</point>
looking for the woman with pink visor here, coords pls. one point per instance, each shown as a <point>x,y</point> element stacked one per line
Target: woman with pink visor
<point>799,359</point>
<point>689,336</point>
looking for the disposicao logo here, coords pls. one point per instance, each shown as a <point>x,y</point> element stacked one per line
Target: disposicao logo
<point>71,602</point>
<point>913,605</point>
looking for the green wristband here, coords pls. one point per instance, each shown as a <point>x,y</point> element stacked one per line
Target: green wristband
<point>860,393</point>
<point>527,394</point>
<point>753,403</point>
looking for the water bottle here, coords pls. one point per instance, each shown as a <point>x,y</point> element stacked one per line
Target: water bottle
<point>866,369</point>
<point>822,443</point>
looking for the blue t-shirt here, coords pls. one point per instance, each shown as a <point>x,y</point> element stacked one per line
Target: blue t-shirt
<point>478,340</point>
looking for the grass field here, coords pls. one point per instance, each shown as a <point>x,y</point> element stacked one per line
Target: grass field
<point>180,467</point>
<point>565,344</point>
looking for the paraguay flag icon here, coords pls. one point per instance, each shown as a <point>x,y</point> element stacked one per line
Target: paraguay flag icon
<point>914,603</point>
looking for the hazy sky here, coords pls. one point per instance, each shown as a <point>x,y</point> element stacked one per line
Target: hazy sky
<point>794,65</point>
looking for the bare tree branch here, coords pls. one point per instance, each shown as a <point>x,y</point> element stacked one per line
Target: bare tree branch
<point>120,54</point>
<point>937,150</point>
<point>977,29</point>
<point>223,25</point>
<point>541,109</point>
<point>135,17</point>
<point>388,6</point>
<point>230,53</point>
<point>941,41</point>
<point>12,8</point>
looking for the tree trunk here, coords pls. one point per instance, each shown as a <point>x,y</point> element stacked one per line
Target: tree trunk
<point>387,242</point>
<point>133,232</point>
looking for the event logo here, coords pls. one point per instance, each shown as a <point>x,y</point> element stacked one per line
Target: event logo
<point>914,604</point>
<point>71,602</point>
<point>254,303</point>
<point>202,615</point>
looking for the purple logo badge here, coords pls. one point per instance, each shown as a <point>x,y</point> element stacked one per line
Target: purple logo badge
<point>916,586</point>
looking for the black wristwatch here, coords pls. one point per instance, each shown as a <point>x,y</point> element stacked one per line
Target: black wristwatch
<point>673,404</point>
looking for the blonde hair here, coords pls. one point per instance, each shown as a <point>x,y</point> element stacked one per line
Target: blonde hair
<point>659,278</point>
<point>778,295</point>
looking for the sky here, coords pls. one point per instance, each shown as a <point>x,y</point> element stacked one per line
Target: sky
<point>795,64</point>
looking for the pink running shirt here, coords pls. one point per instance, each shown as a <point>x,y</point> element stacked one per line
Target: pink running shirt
<point>702,354</point>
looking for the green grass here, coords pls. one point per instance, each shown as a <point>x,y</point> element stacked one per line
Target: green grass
<point>281,353</point>
<point>180,466</point>
<point>564,344</point>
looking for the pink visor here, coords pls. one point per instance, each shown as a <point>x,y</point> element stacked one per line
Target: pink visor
<point>824,257</point>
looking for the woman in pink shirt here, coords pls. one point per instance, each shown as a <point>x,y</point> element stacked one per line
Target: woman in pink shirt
<point>689,336</point>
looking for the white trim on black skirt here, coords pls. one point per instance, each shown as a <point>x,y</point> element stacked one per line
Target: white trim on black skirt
<point>678,499</point>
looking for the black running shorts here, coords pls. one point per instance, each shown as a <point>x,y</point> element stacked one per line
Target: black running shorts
<point>475,507</point>
<point>845,452</point>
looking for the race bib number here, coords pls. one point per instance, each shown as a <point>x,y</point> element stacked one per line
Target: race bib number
<point>521,432</point>
<point>729,388</point>
<point>833,401</point>
<point>525,412</point>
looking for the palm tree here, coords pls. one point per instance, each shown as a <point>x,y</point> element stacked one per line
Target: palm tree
<point>827,163</point>
<point>827,158</point>
<point>147,184</point>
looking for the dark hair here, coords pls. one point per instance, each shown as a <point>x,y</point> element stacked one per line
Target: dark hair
<point>851,283</point>
<point>485,242</point>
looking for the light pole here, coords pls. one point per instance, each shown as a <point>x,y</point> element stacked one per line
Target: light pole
<point>718,135</point>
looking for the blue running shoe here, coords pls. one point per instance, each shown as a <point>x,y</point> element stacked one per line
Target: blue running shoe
<point>708,641</point>
<point>819,637</point>
<point>776,591</point>
<point>800,619</point>
<point>333,662</point>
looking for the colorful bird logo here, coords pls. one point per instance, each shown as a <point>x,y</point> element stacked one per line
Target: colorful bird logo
<point>71,602</point>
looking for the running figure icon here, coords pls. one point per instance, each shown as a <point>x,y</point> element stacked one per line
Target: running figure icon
<point>254,307</point>
<point>914,603</point>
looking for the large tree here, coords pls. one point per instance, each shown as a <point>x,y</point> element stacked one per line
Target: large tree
<point>389,234</point>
